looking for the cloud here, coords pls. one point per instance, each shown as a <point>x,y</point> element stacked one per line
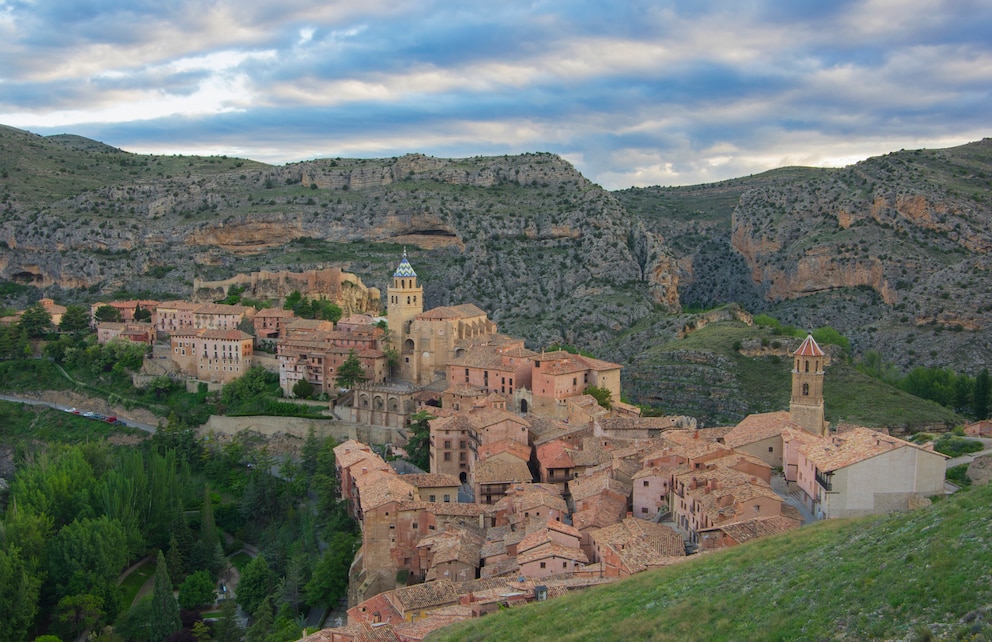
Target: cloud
<point>634,93</point>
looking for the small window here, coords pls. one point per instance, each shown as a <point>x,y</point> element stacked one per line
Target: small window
<point>644,509</point>
<point>447,499</point>
<point>433,498</point>
<point>646,483</point>
<point>771,449</point>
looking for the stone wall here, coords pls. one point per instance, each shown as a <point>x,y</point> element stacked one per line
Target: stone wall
<point>298,427</point>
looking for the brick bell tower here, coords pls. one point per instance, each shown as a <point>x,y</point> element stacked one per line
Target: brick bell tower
<point>406,301</point>
<point>806,406</point>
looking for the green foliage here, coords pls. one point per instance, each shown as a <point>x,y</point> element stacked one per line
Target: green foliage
<point>602,396</point>
<point>86,557</point>
<point>18,593</point>
<point>959,475</point>
<point>164,618</point>
<point>303,389</point>
<point>828,336</point>
<point>79,612</point>
<point>350,372</point>
<point>36,322</point>
<point>107,313</point>
<point>256,584</point>
<point>765,321</point>
<point>76,318</point>
<point>307,308</point>
<point>955,446</point>
<point>196,591</point>
<point>982,403</point>
<point>227,628</point>
<point>329,582</point>
<point>418,449</point>
<point>248,386</point>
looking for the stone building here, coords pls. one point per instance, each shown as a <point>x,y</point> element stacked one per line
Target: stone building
<point>212,355</point>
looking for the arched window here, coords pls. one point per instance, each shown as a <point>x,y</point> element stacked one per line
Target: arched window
<point>807,365</point>
<point>408,303</point>
<point>805,389</point>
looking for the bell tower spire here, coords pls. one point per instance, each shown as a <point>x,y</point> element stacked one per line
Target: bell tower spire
<point>806,406</point>
<point>406,300</point>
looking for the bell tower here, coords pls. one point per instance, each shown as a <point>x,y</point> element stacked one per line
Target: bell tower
<point>806,406</point>
<point>406,301</point>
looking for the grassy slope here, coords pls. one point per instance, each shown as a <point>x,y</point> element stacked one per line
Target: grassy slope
<point>849,396</point>
<point>879,577</point>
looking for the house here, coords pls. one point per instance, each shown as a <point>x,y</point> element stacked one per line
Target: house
<point>550,549</point>
<point>455,439</point>
<point>859,471</point>
<point>635,545</point>
<point>212,355</point>
<point>760,435</point>
<point>728,535</point>
<point>173,316</point>
<point>555,376</point>
<point>981,428</point>
<point>434,487</point>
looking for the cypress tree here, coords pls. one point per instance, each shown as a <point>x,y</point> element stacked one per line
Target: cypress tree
<point>165,611</point>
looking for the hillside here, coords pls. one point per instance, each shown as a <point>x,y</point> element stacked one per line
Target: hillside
<point>893,251</point>
<point>901,576</point>
<point>726,369</point>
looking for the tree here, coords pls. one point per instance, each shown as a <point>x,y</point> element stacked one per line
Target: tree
<point>227,628</point>
<point>161,386</point>
<point>18,594</point>
<point>982,395</point>
<point>174,561</point>
<point>76,318</point>
<point>262,626</point>
<point>329,582</point>
<point>302,389</point>
<point>418,448</point>
<point>164,619</point>
<point>350,372</point>
<point>108,313</point>
<point>79,612</point>
<point>256,583</point>
<point>310,452</point>
<point>86,557</point>
<point>602,396</point>
<point>196,591</point>
<point>36,321</point>
<point>142,314</point>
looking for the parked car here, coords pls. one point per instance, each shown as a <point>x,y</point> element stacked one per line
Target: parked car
<point>89,414</point>
<point>72,411</point>
<point>111,419</point>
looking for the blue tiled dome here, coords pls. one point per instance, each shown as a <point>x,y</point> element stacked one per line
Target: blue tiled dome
<point>404,269</point>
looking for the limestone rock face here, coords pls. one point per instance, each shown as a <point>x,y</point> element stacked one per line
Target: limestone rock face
<point>341,288</point>
<point>980,470</point>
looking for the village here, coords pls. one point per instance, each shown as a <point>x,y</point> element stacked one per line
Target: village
<point>541,480</point>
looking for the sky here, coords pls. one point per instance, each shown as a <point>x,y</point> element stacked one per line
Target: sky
<point>631,93</point>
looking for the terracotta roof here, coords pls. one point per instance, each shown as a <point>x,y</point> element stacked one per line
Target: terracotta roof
<point>220,308</point>
<point>426,595</point>
<point>757,427</point>
<point>226,335</point>
<point>492,471</point>
<point>641,544</point>
<point>603,511</point>
<point>379,487</point>
<point>349,452</point>
<point>750,529</point>
<point>588,485</point>
<point>808,348</point>
<point>555,454</point>
<point>505,446</point>
<point>272,312</point>
<point>643,423</point>
<point>851,447</point>
<point>431,480</point>
<point>552,549</point>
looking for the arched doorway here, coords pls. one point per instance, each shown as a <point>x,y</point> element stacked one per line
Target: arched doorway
<point>523,406</point>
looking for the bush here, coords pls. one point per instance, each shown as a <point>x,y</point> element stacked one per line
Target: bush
<point>955,446</point>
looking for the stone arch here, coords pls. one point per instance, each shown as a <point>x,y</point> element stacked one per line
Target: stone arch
<point>523,406</point>
<point>394,404</point>
<point>377,402</point>
<point>364,401</point>
<point>408,345</point>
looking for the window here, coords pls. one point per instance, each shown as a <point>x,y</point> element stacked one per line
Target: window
<point>447,443</point>
<point>644,509</point>
<point>447,499</point>
<point>805,389</point>
<point>646,483</point>
<point>433,498</point>
<point>447,456</point>
<point>564,564</point>
<point>461,456</point>
<point>771,449</point>
<point>544,565</point>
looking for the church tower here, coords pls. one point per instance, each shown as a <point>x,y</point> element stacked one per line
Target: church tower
<point>406,301</point>
<point>806,406</point>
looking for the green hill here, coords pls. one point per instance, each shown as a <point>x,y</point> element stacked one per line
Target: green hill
<point>726,370</point>
<point>905,576</point>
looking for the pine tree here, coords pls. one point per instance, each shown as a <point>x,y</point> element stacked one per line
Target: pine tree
<point>174,562</point>
<point>983,395</point>
<point>350,372</point>
<point>227,628</point>
<point>165,611</point>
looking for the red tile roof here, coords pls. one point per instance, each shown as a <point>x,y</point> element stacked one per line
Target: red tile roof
<point>808,348</point>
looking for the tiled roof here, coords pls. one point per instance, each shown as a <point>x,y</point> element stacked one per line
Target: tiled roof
<point>599,482</point>
<point>604,511</point>
<point>278,313</point>
<point>688,445</point>
<point>226,335</point>
<point>404,269</point>
<point>552,549</point>
<point>507,446</point>
<point>642,423</point>
<point>492,471</point>
<point>349,452</point>
<point>747,530</point>
<point>757,427</point>
<point>555,454</point>
<point>220,308</point>
<point>851,447</point>
<point>431,480</point>
<point>426,595</point>
<point>808,348</point>
<point>641,544</point>
<point>382,487</point>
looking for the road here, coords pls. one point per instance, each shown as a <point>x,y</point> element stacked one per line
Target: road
<point>36,402</point>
